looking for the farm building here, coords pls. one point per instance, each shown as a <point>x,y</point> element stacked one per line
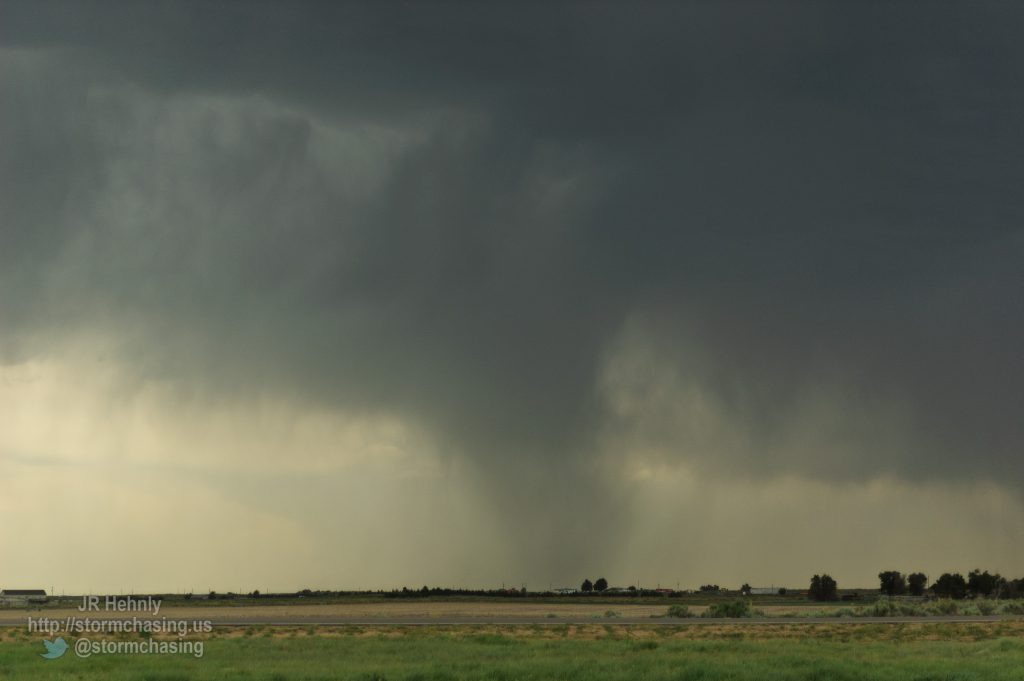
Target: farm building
<point>764,590</point>
<point>22,597</point>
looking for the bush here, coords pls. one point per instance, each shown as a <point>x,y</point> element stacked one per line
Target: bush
<point>1012,608</point>
<point>886,608</point>
<point>678,611</point>
<point>909,610</point>
<point>729,609</point>
<point>945,607</point>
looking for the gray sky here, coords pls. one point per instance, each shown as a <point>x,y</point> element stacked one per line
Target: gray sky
<point>352,295</point>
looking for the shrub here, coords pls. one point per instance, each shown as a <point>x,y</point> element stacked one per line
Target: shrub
<point>945,607</point>
<point>1012,608</point>
<point>886,608</point>
<point>909,610</point>
<point>729,609</point>
<point>678,611</point>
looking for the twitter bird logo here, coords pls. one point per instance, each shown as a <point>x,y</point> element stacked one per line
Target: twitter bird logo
<point>54,649</point>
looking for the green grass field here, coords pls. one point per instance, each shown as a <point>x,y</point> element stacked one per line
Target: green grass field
<point>898,652</point>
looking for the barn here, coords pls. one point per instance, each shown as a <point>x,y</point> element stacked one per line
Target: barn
<point>22,597</point>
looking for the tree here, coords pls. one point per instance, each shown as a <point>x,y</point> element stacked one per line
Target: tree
<point>950,586</point>
<point>587,587</point>
<point>829,588</point>
<point>601,584</point>
<point>893,583</point>
<point>823,588</point>
<point>917,582</point>
<point>745,589</point>
<point>983,584</point>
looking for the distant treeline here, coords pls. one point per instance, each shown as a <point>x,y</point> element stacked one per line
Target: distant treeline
<point>406,592</point>
<point>891,583</point>
<point>977,584</point>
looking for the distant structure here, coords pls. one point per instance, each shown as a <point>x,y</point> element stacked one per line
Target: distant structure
<point>764,590</point>
<point>564,591</point>
<point>22,597</point>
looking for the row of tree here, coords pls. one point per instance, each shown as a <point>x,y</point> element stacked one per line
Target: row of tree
<point>978,584</point>
<point>952,585</point>
<point>894,583</point>
<point>823,587</point>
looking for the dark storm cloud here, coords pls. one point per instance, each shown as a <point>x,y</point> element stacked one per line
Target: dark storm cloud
<point>797,194</point>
